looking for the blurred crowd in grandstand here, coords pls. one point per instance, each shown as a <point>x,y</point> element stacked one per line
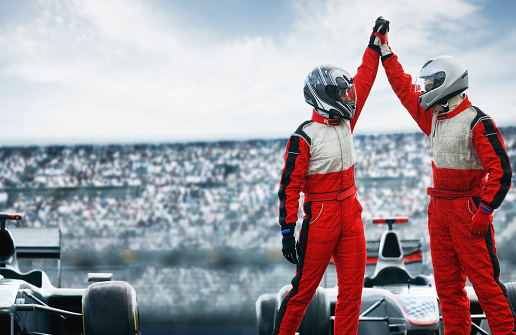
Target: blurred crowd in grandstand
<point>210,195</point>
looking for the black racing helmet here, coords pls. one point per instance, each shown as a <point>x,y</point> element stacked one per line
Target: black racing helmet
<point>323,88</point>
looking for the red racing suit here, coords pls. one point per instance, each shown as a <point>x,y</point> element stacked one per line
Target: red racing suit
<point>319,161</point>
<point>466,147</point>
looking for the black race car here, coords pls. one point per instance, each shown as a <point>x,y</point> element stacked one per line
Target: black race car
<point>31,304</point>
<point>394,301</point>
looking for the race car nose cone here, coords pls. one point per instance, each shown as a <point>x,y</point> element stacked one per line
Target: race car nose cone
<point>8,291</point>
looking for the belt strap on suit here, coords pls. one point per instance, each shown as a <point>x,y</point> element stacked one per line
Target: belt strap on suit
<point>445,194</point>
<point>331,196</point>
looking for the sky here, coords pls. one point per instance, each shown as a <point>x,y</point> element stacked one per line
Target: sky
<point>111,71</point>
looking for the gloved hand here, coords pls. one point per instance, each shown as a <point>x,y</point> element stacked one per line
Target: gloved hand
<point>480,222</point>
<point>378,40</point>
<point>289,244</point>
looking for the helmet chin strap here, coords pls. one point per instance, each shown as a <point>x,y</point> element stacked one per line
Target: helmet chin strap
<point>442,108</point>
<point>451,104</point>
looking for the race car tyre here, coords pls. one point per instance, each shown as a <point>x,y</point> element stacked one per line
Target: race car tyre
<point>110,308</point>
<point>317,315</point>
<point>316,320</point>
<point>265,314</point>
<point>511,293</point>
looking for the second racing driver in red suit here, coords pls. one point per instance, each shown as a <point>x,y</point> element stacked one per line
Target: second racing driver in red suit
<point>471,175</point>
<point>319,161</point>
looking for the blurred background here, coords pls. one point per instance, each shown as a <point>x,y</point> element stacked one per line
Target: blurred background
<point>152,133</point>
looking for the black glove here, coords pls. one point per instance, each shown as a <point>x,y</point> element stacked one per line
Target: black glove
<point>378,37</point>
<point>289,244</point>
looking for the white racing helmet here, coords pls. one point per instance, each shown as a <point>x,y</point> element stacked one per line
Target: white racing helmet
<point>440,79</point>
<point>323,88</point>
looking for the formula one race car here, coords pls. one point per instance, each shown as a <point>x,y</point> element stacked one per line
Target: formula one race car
<point>393,300</point>
<point>30,304</point>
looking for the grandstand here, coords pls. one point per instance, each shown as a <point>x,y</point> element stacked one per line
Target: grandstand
<point>199,220</point>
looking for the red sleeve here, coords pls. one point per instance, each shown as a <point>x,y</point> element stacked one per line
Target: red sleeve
<point>492,153</point>
<point>293,179</point>
<point>364,80</point>
<point>403,87</point>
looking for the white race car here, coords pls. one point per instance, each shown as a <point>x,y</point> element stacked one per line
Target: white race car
<point>393,300</point>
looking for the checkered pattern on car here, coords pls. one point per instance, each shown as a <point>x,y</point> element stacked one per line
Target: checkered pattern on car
<point>420,309</point>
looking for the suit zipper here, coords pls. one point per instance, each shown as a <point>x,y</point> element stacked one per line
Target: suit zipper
<point>342,211</point>
<point>340,146</point>
<point>435,127</point>
<point>433,147</point>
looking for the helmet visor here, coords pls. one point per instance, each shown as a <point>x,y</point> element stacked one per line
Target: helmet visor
<point>349,95</point>
<point>427,82</point>
<point>338,93</point>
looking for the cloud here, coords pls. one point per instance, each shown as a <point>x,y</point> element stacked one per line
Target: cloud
<point>125,70</point>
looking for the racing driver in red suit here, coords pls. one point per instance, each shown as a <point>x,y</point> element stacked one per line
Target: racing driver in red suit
<point>319,161</point>
<point>471,175</point>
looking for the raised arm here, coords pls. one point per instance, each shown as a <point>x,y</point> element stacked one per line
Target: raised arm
<point>364,80</point>
<point>366,74</point>
<point>402,86</point>
<point>401,82</point>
